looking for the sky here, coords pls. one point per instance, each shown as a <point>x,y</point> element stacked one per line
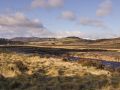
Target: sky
<point>91,19</point>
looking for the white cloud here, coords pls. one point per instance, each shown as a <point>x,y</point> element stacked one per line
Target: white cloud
<point>92,22</point>
<point>47,3</point>
<point>18,20</point>
<point>61,34</point>
<point>19,25</point>
<point>105,8</point>
<point>68,15</point>
<point>100,35</point>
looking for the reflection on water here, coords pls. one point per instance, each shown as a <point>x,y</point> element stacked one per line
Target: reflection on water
<point>104,62</point>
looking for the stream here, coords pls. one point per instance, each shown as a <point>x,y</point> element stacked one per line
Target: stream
<point>111,64</point>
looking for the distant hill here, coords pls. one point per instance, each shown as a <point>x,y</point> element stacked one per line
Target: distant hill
<point>7,41</point>
<point>111,41</point>
<point>50,41</point>
<point>74,41</point>
<point>67,41</point>
<point>31,39</point>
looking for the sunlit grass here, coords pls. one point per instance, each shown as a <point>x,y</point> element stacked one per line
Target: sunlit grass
<point>33,72</point>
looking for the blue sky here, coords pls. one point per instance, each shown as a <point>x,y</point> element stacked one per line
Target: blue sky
<point>60,18</point>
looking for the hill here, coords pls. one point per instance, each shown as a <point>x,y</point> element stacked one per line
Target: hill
<point>7,41</point>
<point>31,39</point>
<point>67,41</point>
<point>53,41</point>
<point>111,41</point>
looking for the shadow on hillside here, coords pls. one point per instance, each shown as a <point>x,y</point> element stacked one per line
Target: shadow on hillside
<point>46,50</point>
<point>39,81</point>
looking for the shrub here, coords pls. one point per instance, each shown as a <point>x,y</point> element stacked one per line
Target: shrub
<point>92,63</point>
<point>117,69</point>
<point>21,66</point>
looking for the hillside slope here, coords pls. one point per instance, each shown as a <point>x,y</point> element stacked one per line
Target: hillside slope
<point>67,41</point>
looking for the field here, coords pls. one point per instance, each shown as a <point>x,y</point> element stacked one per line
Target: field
<point>45,68</point>
<point>59,67</point>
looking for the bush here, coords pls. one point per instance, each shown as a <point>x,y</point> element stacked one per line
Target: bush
<point>117,69</point>
<point>22,67</point>
<point>91,63</point>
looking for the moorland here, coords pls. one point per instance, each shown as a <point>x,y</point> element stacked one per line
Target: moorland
<point>69,63</point>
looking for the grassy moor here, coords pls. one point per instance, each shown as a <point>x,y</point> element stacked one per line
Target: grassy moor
<point>82,66</point>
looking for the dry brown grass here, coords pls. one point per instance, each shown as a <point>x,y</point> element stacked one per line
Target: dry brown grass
<point>32,72</point>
